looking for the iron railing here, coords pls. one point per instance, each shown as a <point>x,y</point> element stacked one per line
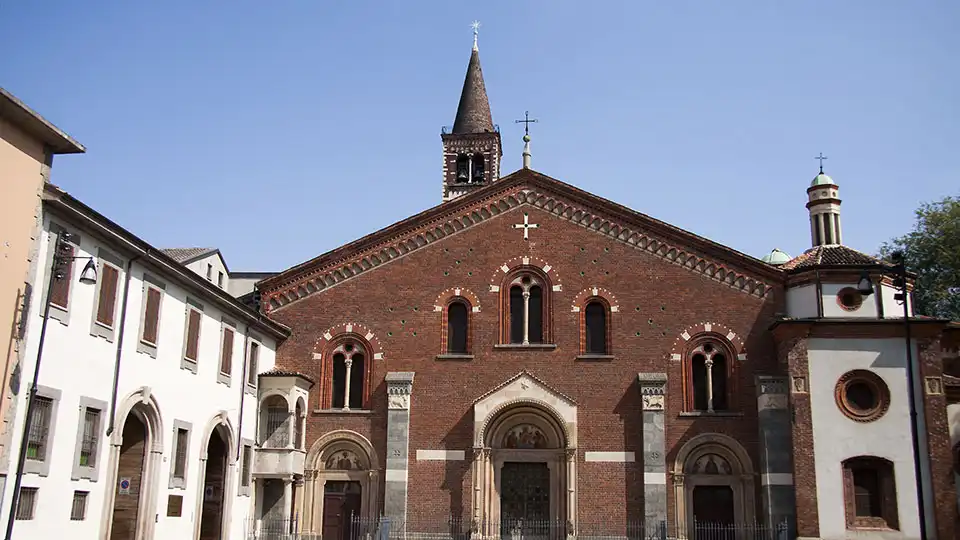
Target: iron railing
<point>513,529</point>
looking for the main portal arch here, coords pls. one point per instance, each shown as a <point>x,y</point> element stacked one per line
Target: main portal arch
<point>524,459</point>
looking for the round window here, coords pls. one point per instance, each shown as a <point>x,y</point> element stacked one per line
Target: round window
<point>862,395</point>
<point>849,299</point>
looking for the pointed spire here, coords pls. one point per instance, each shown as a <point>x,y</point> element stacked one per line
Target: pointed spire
<point>473,112</point>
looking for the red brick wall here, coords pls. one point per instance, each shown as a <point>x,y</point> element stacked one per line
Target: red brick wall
<point>657,301</point>
<point>938,440</point>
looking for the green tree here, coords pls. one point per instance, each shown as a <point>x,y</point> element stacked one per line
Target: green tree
<point>932,251</point>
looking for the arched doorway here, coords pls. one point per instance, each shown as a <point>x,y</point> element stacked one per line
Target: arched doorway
<point>341,487</point>
<point>530,466</point>
<point>714,486</point>
<point>126,508</point>
<point>136,449</point>
<point>214,488</point>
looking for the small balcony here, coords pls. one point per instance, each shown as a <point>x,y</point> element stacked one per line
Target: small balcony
<point>278,462</point>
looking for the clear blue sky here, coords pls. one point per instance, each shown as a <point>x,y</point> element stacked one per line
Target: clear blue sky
<point>279,130</point>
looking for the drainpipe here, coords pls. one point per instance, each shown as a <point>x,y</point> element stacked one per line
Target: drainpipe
<point>120,333</point>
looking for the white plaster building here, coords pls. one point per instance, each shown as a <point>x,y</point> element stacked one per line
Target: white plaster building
<point>145,419</point>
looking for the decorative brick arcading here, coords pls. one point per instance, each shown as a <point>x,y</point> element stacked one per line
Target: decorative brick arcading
<point>353,328</point>
<point>680,344</point>
<point>322,276</point>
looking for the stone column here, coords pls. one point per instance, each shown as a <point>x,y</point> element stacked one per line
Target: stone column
<point>776,468</point>
<point>653,389</point>
<point>399,387</point>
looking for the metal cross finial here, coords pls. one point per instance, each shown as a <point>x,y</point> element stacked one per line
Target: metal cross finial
<point>526,122</point>
<point>476,30</point>
<point>821,157</point>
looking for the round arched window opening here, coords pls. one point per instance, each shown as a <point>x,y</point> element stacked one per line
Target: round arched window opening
<point>862,395</point>
<point>849,299</point>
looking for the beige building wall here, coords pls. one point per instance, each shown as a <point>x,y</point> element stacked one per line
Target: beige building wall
<point>27,145</point>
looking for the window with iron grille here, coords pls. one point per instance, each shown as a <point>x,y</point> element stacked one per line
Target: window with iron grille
<point>27,503</point>
<point>78,512</point>
<point>180,461</point>
<point>277,434</point>
<point>91,431</point>
<point>39,428</point>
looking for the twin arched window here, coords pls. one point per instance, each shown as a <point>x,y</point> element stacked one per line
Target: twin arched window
<point>526,299</point>
<point>708,369</point>
<point>348,376</point>
<point>470,169</point>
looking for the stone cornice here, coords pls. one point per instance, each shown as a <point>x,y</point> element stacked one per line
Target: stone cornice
<point>524,188</point>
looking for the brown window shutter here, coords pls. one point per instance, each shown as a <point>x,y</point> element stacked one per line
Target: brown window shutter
<point>60,290</point>
<point>252,368</point>
<point>193,335</point>
<point>108,295</point>
<point>151,316</point>
<point>226,356</point>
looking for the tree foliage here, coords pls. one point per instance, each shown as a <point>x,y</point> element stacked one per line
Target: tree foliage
<point>932,251</point>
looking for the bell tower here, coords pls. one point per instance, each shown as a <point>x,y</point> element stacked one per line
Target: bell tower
<point>823,204</point>
<point>472,147</point>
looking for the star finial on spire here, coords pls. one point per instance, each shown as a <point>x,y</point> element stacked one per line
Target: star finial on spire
<point>476,30</point>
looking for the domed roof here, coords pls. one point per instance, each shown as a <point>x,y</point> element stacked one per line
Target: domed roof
<point>776,257</point>
<point>822,180</point>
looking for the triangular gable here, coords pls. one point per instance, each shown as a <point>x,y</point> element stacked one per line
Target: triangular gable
<point>516,384</point>
<point>525,187</point>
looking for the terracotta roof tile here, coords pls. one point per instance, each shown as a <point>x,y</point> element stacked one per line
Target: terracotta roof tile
<point>830,256</point>
<point>279,371</point>
<point>185,254</point>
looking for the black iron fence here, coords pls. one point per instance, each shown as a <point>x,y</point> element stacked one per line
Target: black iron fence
<point>513,529</point>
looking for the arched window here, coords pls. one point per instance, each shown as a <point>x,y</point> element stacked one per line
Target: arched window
<point>457,327</point>
<point>463,168</point>
<point>347,385</point>
<point>275,432</point>
<point>525,309</point>
<point>870,493</point>
<point>477,173</point>
<point>595,328</point>
<point>707,374</point>
<point>300,418</point>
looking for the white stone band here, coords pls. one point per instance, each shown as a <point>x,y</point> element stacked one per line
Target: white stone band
<point>440,455</point>
<point>655,478</point>
<point>776,479</point>
<point>396,475</point>
<point>614,457</point>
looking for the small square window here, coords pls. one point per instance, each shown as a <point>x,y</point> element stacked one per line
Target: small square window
<point>79,510</point>
<point>174,505</point>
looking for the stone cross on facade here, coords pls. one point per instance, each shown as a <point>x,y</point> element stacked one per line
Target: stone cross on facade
<point>526,226</point>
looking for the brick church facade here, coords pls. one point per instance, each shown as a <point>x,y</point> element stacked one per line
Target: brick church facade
<point>528,350</point>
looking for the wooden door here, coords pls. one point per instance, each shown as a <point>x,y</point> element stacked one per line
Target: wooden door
<point>341,506</point>
<point>713,512</point>
<point>126,504</point>
<point>211,516</point>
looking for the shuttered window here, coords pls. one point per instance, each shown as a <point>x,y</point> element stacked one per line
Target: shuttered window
<point>226,351</point>
<point>151,315</point>
<point>180,458</point>
<point>60,289</point>
<point>254,359</point>
<point>107,302</point>
<point>78,512</point>
<point>193,334</point>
